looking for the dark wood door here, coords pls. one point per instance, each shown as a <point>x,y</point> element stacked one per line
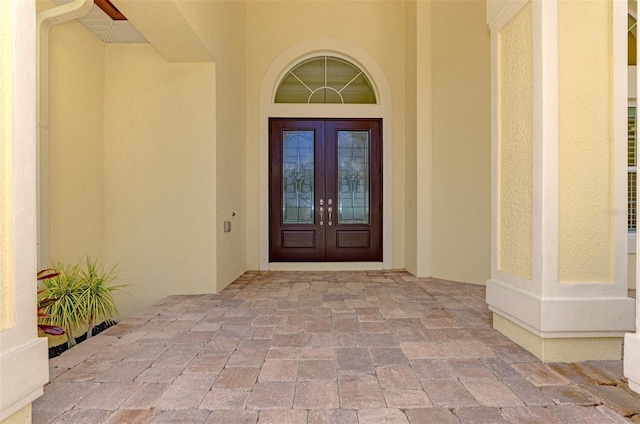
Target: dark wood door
<point>325,190</point>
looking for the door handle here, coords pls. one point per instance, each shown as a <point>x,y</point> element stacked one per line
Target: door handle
<point>321,212</point>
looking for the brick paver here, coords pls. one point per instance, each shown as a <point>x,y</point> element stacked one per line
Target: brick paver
<point>333,416</point>
<point>272,395</point>
<point>108,396</point>
<point>382,416</point>
<point>322,348</point>
<point>431,415</point>
<point>317,395</point>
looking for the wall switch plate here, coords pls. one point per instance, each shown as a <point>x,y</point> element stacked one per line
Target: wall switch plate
<point>227,226</point>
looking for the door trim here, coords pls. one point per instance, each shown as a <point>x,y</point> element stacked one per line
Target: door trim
<point>260,251</point>
<point>326,266</point>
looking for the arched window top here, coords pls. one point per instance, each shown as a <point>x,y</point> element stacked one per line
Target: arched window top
<point>325,79</point>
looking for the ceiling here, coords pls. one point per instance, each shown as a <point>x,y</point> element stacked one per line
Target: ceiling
<point>105,27</point>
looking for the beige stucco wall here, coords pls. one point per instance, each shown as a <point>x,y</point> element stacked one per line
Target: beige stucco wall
<point>377,27</point>
<point>461,141</point>
<point>23,416</point>
<point>631,271</point>
<point>76,150</point>
<point>23,355</point>
<point>160,174</point>
<point>221,26</point>
<point>411,168</point>
<point>141,175</point>
<point>419,150</point>
<point>515,146</point>
<point>6,98</point>
<point>585,142</point>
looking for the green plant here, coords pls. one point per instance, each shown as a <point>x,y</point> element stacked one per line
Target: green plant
<point>54,330</point>
<point>76,297</point>
<point>66,290</point>
<point>97,296</point>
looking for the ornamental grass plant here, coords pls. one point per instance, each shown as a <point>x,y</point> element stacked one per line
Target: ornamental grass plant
<point>83,297</point>
<point>97,296</point>
<point>67,311</point>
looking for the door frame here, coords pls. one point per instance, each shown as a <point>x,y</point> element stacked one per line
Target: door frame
<point>267,109</point>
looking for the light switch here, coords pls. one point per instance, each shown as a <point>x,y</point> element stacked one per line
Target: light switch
<point>227,226</point>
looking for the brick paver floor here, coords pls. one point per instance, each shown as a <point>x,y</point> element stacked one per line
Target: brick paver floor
<point>325,347</point>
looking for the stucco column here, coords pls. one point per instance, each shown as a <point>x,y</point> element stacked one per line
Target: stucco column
<point>558,283</point>
<point>24,366</point>
<point>632,350</point>
<point>632,340</point>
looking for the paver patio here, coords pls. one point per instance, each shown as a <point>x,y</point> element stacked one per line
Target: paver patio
<point>325,347</point>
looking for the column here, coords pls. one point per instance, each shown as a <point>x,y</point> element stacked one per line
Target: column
<point>632,340</point>
<point>632,349</point>
<point>558,283</point>
<point>24,366</point>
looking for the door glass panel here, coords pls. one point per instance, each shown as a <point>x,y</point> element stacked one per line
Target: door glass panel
<point>297,177</point>
<point>353,177</point>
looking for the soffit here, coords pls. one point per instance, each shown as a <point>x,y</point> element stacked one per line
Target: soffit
<point>106,28</point>
<point>166,28</point>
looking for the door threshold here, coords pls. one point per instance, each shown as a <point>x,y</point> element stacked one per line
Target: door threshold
<point>325,266</point>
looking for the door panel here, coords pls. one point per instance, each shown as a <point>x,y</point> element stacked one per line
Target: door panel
<point>354,186</point>
<point>351,239</point>
<point>296,157</point>
<point>298,239</point>
<point>325,190</point>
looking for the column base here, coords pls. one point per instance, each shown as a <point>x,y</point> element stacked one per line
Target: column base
<point>575,349</point>
<point>632,360</point>
<point>24,371</point>
<point>23,416</point>
<point>562,329</point>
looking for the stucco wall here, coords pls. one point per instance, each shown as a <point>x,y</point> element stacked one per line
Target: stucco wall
<point>631,271</point>
<point>585,143</point>
<point>515,146</point>
<point>419,149</point>
<point>461,141</point>
<point>6,221</point>
<point>377,28</point>
<point>160,174</point>
<point>23,355</point>
<point>411,212</point>
<point>221,26</point>
<point>141,175</point>
<point>76,150</point>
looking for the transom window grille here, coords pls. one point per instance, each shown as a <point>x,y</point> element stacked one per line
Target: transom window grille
<point>325,79</point>
<point>632,164</point>
<point>632,29</point>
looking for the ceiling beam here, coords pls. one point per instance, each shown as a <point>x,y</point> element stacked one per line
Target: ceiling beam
<point>108,8</point>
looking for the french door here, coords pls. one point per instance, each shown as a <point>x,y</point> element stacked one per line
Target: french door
<point>325,190</point>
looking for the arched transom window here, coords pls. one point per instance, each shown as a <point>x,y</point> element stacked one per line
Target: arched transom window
<point>325,79</point>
